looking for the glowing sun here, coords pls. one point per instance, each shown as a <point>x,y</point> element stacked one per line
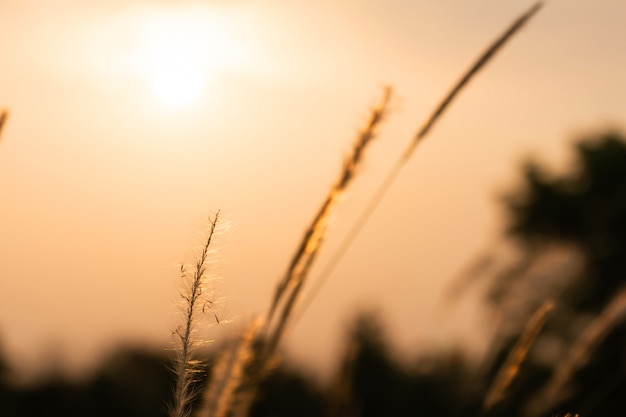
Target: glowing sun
<point>181,51</point>
<point>178,62</point>
<point>177,82</point>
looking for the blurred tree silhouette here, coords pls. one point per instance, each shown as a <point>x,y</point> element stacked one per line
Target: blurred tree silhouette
<point>371,383</point>
<point>131,383</point>
<point>571,229</point>
<point>139,383</point>
<point>288,392</point>
<point>584,208</point>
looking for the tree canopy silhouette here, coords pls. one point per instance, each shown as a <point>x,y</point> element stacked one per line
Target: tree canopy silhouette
<point>585,208</point>
<point>571,228</point>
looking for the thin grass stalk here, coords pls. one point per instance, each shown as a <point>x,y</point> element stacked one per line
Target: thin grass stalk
<point>311,242</point>
<point>186,366</point>
<point>421,134</point>
<point>511,366</point>
<point>580,352</point>
<point>3,118</point>
<point>469,74</point>
<point>229,375</point>
<point>290,286</point>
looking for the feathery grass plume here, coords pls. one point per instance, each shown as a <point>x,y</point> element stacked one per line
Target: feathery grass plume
<point>187,366</point>
<point>579,354</point>
<point>3,118</point>
<point>289,287</point>
<point>510,367</point>
<point>427,125</point>
<point>229,374</point>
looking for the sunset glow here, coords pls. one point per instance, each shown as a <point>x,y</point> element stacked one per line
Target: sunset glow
<point>130,122</point>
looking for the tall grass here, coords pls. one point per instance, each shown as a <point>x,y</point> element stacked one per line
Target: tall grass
<point>187,366</point>
<point>511,366</point>
<point>229,375</point>
<point>249,359</point>
<point>4,115</point>
<point>427,125</point>
<point>579,353</point>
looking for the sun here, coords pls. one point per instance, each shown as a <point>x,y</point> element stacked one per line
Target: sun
<point>178,81</point>
<point>177,57</point>
<point>181,52</point>
<point>177,78</point>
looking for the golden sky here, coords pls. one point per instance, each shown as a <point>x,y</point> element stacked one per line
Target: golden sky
<point>107,176</point>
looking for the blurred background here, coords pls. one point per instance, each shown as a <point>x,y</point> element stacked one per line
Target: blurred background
<point>131,122</point>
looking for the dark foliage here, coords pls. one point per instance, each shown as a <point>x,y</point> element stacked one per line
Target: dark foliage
<point>372,383</point>
<point>287,393</point>
<point>131,383</point>
<point>137,383</point>
<point>584,210</point>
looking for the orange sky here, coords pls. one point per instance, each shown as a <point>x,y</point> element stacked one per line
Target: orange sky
<point>104,188</point>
